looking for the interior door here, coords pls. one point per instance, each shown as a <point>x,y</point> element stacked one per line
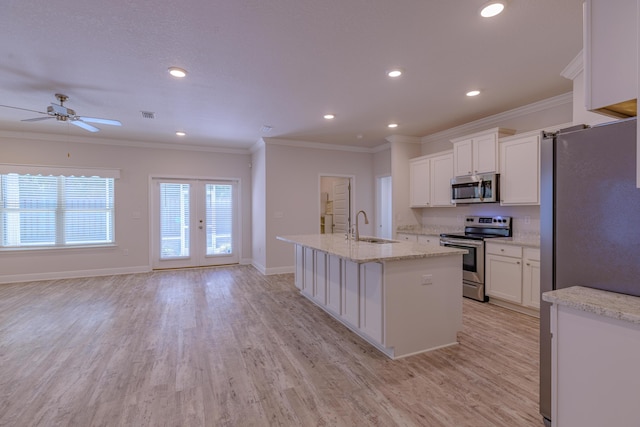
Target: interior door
<point>341,206</point>
<point>194,223</point>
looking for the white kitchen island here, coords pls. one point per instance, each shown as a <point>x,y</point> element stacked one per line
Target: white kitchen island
<point>404,298</point>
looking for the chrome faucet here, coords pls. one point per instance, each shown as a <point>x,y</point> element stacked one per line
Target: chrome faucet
<point>366,221</point>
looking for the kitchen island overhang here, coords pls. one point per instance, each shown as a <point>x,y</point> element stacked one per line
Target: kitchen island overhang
<point>404,298</point>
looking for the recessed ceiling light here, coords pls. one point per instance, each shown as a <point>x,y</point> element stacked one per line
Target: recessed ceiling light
<point>392,125</point>
<point>396,72</point>
<point>492,8</point>
<point>329,116</point>
<point>473,93</point>
<point>177,72</point>
<point>181,133</point>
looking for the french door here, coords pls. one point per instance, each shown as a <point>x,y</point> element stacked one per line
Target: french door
<point>194,223</point>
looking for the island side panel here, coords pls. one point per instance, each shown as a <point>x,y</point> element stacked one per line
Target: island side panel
<point>421,317</point>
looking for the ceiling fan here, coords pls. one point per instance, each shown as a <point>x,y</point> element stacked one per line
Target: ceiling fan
<point>64,114</point>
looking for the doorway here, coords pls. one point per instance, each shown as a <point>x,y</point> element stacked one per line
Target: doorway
<point>335,204</point>
<point>194,223</point>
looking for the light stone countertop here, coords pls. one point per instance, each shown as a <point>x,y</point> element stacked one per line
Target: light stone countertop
<point>362,252</point>
<point>596,301</point>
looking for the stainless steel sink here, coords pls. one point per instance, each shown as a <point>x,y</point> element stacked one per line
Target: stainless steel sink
<point>376,240</point>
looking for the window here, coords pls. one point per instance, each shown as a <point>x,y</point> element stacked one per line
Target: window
<point>55,211</point>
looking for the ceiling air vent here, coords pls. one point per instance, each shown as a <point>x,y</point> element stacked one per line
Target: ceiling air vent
<point>148,114</point>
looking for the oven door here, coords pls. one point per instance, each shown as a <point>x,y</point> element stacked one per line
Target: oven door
<point>473,261</point>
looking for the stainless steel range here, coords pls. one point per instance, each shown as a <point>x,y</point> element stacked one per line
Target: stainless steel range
<point>476,230</point>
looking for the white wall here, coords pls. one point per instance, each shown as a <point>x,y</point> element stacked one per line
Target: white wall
<point>402,149</point>
<point>258,206</point>
<point>293,173</point>
<point>131,197</point>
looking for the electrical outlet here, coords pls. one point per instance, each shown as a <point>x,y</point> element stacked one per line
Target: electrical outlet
<point>427,279</point>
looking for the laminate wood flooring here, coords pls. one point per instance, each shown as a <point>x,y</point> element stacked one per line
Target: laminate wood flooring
<point>228,346</point>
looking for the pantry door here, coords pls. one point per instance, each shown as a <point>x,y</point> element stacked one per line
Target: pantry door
<point>195,223</point>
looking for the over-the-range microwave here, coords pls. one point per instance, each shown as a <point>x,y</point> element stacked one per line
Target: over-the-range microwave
<point>483,188</point>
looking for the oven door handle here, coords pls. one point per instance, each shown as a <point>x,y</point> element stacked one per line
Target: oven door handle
<point>476,244</point>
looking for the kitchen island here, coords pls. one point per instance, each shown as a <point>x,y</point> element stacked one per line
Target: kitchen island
<point>403,298</point>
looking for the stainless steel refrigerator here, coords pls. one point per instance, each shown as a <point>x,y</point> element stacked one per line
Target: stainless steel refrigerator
<point>589,219</point>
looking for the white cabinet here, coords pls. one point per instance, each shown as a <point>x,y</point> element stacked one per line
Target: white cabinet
<point>520,170</point>
<point>334,282</point>
<point>477,153</point>
<point>419,182</point>
<point>351,293</point>
<point>299,267</point>
<point>429,240</point>
<point>441,172</point>
<point>512,275</point>
<point>611,56</point>
<point>531,278</point>
<point>430,180</point>
<point>594,363</point>
<point>308,277</point>
<point>405,237</point>
<point>371,293</point>
<point>320,288</point>
<point>503,272</point>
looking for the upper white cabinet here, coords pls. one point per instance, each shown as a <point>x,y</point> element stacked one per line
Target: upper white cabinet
<point>477,153</point>
<point>430,180</point>
<point>520,170</point>
<point>611,56</point>
<point>419,182</point>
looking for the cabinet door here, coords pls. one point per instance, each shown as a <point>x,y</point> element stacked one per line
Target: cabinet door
<point>419,183</point>
<point>320,288</point>
<point>309,272</point>
<point>299,272</point>
<point>371,294</point>
<point>504,278</point>
<point>611,55</point>
<point>463,157</point>
<point>334,282</point>
<point>350,293</point>
<point>531,284</point>
<point>485,154</point>
<point>520,171</point>
<point>441,174</point>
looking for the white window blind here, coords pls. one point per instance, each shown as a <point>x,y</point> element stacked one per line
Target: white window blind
<point>58,211</point>
<point>174,220</point>
<point>219,213</point>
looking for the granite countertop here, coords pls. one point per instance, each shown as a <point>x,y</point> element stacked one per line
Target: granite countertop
<point>361,252</point>
<point>596,301</point>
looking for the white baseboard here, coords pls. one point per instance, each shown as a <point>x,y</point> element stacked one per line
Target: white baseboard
<point>33,277</point>
<point>279,270</point>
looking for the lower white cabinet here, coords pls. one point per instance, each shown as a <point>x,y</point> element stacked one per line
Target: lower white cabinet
<point>334,283</point>
<point>351,293</point>
<point>429,240</point>
<point>594,373</point>
<point>371,310</point>
<point>407,237</point>
<point>512,274</point>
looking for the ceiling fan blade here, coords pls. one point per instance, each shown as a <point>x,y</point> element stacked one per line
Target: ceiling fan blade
<point>23,109</point>
<point>37,119</point>
<point>84,125</point>
<point>101,121</point>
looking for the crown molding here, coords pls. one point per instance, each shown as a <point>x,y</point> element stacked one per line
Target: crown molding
<point>575,67</point>
<point>316,145</point>
<point>48,137</point>
<point>496,119</point>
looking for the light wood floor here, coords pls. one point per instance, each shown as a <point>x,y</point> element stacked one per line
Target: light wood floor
<point>230,347</point>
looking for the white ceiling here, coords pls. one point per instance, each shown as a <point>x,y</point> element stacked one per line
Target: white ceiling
<point>281,63</point>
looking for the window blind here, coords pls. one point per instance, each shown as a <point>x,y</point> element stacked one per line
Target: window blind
<point>219,214</point>
<point>56,211</point>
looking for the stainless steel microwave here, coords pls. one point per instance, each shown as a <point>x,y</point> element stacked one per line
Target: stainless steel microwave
<point>482,188</point>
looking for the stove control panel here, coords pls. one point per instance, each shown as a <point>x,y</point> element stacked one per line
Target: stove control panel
<point>498,221</point>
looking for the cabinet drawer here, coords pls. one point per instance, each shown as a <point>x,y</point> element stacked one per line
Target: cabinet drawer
<point>532,254</point>
<point>407,237</point>
<point>504,250</point>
